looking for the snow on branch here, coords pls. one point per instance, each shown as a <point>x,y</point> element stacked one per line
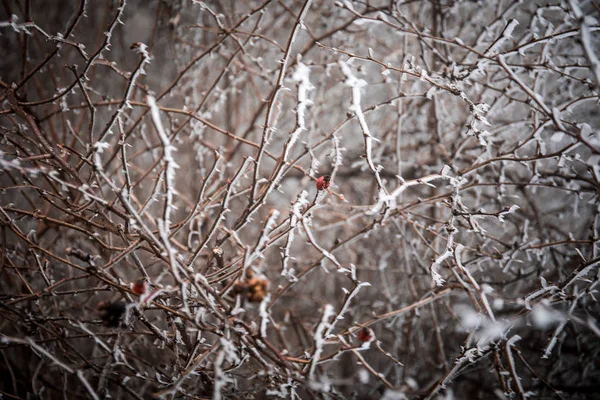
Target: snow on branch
<point>585,23</point>
<point>169,162</point>
<point>295,216</point>
<point>357,85</point>
<point>390,200</point>
<point>320,339</point>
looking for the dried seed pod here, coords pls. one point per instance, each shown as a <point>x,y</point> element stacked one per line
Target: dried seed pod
<point>254,288</point>
<point>218,254</point>
<point>257,295</point>
<point>239,288</point>
<point>257,289</point>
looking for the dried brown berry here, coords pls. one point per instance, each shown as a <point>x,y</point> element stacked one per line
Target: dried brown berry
<point>257,289</point>
<point>112,313</point>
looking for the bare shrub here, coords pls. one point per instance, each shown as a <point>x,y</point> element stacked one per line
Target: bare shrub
<point>167,230</point>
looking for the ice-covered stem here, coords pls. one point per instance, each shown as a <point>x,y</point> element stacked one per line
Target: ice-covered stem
<point>357,84</point>
<point>219,18</point>
<point>169,163</point>
<point>295,216</point>
<point>220,379</point>
<point>200,199</point>
<point>505,35</point>
<point>17,107</point>
<point>162,241</point>
<point>313,241</point>
<point>163,232</point>
<point>266,134</point>
<point>320,339</point>
<point>422,74</point>
<point>90,61</point>
<point>125,166</point>
<point>469,357</point>
<point>534,96</point>
<point>482,297</point>
<point>337,156</point>
<point>117,357</point>
<point>263,240</point>
<point>372,370</point>
<point>154,194</point>
<point>449,251</point>
<point>560,328</point>
<point>264,315</point>
<point>189,371</point>
<point>99,147</point>
<point>539,293</point>
<point>41,351</point>
<point>580,272</point>
<point>586,39</point>
<point>301,75</point>
<point>89,104</point>
<point>512,366</point>
<point>142,49</point>
<point>227,352</point>
<point>224,209</point>
<point>450,228</point>
<point>390,199</point>
<point>349,296</point>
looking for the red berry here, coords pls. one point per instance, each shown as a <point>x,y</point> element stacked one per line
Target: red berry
<point>139,287</point>
<point>365,335</point>
<point>323,182</point>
